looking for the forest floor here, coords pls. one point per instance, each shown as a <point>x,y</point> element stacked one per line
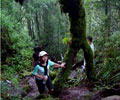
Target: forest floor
<point>73,93</point>
<point>28,90</point>
<point>82,92</point>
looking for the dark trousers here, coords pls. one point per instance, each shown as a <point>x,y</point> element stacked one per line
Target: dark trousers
<point>41,85</point>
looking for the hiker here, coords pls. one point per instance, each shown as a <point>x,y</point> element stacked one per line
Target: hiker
<point>55,60</point>
<point>35,55</point>
<point>41,72</point>
<point>89,38</point>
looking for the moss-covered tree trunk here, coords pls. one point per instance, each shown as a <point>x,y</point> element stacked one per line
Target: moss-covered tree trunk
<point>76,13</point>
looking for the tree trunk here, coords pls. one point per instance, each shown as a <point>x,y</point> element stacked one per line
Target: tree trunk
<point>37,23</point>
<point>32,27</point>
<point>29,27</point>
<point>76,13</point>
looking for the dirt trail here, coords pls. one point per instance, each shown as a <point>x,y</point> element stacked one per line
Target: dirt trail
<point>75,93</point>
<point>32,90</point>
<point>28,89</point>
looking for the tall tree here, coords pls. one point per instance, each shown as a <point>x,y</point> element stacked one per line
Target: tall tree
<point>77,20</point>
<point>76,13</point>
<point>45,22</point>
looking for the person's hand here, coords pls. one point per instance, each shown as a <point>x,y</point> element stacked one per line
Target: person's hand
<point>45,77</point>
<point>62,65</point>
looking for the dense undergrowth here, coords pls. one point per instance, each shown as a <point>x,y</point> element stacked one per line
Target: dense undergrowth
<point>17,49</point>
<point>16,52</point>
<point>106,59</point>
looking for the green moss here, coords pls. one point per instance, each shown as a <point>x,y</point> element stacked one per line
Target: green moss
<point>53,74</point>
<point>88,54</point>
<point>26,88</point>
<point>76,13</point>
<point>26,73</point>
<point>50,98</point>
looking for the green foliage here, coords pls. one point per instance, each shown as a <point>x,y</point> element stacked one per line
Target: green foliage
<point>26,73</point>
<point>26,88</point>
<point>41,21</point>
<point>50,98</point>
<point>65,40</point>
<point>46,25</point>
<point>76,80</point>
<point>17,47</point>
<point>108,68</point>
<point>104,28</point>
<point>6,89</point>
<point>15,82</point>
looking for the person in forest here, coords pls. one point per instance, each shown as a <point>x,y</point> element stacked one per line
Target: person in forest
<point>35,55</point>
<point>89,38</point>
<point>41,72</point>
<point>53,58</point>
